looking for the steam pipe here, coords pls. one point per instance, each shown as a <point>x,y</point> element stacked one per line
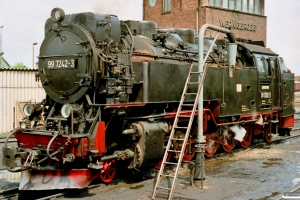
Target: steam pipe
<point>11,133</point>
<point>199,171</point>
<point>49,144</point>
<point>231,38</point>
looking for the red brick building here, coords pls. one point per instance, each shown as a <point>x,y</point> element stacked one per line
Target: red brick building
<point>245,17</point>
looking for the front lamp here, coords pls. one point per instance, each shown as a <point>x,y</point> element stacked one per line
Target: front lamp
<point>58,15</point>
<point>22,124</point>
<point>28,109</point>
<point>65,110</point>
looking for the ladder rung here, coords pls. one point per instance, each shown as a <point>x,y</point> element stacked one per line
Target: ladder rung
<point>196,72</point>
<point>192,83</point>
<point>176,151</point>
<point>164,188</point>
<point>184,116</point>
<point>191,93</point>
<point>171,163</point>
<point>180,127</point>
<point>177,139</point>
<point>167,175</point>
<point>187,105</point>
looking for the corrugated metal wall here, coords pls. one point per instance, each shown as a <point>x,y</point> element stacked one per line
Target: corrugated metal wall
<point>16,86</point>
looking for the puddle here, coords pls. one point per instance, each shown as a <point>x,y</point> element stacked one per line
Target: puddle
<point>136,186</point>
<point>296,181</point>
<point>268,197</point>
<point>295,151</point>
<point>215,167</point>
<point>270,164</point>
<point>274,159</point>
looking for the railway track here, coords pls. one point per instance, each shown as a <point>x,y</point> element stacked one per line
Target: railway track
<point>14,193</point>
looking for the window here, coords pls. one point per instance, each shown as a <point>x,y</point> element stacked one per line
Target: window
<point>231,4</point>
<point>260,64</point>
<point>167,6</point>
<point>225,4</point>
<point>218,3</point>
<point>245,5</point>
<point>257,7</point>
<point>238,5</point>
<point>249,6</point>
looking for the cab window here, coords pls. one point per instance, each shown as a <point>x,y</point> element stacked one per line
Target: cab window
<point>271,62</point>
<point>282,65</point>
<point>260,63</point>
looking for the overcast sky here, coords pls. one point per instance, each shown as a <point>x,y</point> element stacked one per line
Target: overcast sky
<point>24,20</point>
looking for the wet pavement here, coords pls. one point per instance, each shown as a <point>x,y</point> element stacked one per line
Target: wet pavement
<point>261,173</point>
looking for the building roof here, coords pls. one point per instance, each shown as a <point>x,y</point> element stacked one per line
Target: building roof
<point>258,49</point>
<point>17,69</point>
<point>3,63</point>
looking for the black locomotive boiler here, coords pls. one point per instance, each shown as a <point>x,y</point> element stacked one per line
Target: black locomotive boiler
<point>113,89</point>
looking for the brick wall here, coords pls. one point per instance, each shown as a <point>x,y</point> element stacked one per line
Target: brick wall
<point>183,15</point>
<point>259,23</point>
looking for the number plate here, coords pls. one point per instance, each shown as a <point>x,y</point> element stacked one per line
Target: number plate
<point>63,63</point>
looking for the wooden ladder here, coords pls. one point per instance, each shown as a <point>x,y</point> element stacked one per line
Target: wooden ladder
<point>175,128</point>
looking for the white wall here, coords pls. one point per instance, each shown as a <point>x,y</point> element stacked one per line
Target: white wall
<point>17,85</point>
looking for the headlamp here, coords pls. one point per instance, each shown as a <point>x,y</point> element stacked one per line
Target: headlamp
<point>65,110</point>
<point>57,14</point>
<point>22,125</point>
<point>28,109</point>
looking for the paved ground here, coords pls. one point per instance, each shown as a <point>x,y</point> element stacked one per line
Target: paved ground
<point>261,173</point>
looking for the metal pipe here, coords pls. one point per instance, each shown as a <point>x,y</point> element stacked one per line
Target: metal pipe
<point>33,54</point>
<point>201,139</point>
<point>72,122</point>
<point>11,133</point>
<point>145,81</point>
<point>231,38</point>
<point>1,53</point>
<point>197,16</point>
<point>110,157</point>
<point>49,144</point>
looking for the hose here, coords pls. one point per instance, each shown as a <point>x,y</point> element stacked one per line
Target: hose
<point>11,133</point>
<point>49,144</point>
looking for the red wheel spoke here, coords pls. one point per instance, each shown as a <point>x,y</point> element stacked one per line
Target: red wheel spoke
<point>188,153</point>
<point>108,172</point>
<point>267,135</point>
<point>211,147</point>
<point>229,144</point>
<point>247,138</point>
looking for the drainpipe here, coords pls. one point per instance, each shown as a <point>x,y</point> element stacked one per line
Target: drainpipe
<point>197,16</point>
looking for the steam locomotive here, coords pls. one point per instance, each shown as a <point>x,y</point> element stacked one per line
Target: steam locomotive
<point>113,88</point>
